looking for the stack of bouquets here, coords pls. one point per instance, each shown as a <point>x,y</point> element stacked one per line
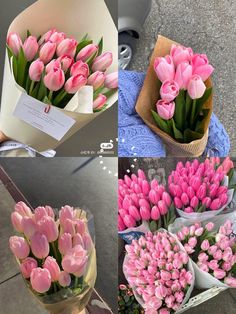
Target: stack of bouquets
<point>60,66</point>
<point>201,188</point>
<point>142,206</point>
<point>56,255</point>
<point>159,271</point>
<point>177,93</point>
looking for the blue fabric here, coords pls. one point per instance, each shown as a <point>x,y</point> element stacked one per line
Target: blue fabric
<point>137,139</point>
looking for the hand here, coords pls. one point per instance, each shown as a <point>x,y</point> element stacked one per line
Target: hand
<point>3,137</point>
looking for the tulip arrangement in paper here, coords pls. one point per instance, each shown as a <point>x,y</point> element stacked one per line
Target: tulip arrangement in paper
<point>180,110</point>
<point>198,187</point>
<point>142,201</point>
<point>127,303</point>
<point>55,255</point>
<point>213,251</point>
<point>53,67</point>
<point>159,271</point>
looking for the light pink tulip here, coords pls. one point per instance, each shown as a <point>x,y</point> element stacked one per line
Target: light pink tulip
<point>111,80</point>
<point>54,63</point>
<point>65,243</point>
<point>230,281</point>
<point>39,245</point>
<point>67,47</point>
<point>51,265</point>
<point>196,87</point>
<point>64,279</point>
<point>183,75</point>
<point>78,240</point>
<point>29,226</point>
<point>96,80</point>
<point>54,80</point>
<point>165,109</point>
<point>47,52</point>
<point>129,221</point>
<point>69,227</point>
<point>30,48</point>
<point>205,245</point>
<point>219,273</point>
<point>57,37</point>
<point>19,247</point>
<point>36,70</point>
<point>74,83</point>
<point>48,227</point>
<point>66,62</point>
<point>88,243</point>
<point>87,52</point>
<point>41,212</point>
<point>75,261</point>
<point>27,266</point>
<point>40,280</point>
<point>46,37</point>
<point>209,226</point>
<point>102,62</point>
<point>155,213</point>
<point>99,102</point>
<point>66,212</point>
<point>180,54</point>
<point>169,90</point>
<point>201,66</point>
<point>23,209</point>
<point>79,67</point>
<point>16,220</point>
<point>14,43</point>
<point>164,68</point>
<point>199,231</point>
<point>80,226</point>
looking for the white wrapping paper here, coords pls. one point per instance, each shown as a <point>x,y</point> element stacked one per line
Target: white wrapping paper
<point>131,234</point>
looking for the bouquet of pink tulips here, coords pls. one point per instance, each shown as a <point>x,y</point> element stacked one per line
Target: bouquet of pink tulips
<point>56,255</point>
<point>159,271</point>
<point>198,187</point>
<point>53,67</point>
<point>140,201</point>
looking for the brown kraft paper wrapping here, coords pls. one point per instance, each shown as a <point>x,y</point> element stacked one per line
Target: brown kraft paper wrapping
<point>148,98</point>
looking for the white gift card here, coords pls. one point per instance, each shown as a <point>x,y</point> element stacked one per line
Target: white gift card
<point>32,111</point>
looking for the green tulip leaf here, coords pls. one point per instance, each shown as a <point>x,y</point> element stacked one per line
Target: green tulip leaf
<point>21,67</point>
<point>201,101</point>
<point>100,46</point>
<point>85,37</point>
<point>83,44</point>
<point>190,136</point>
<point>91,59</point>
<point>153,226</point>
<point>178,135</point>
<point>9,52</point>
<point>161,123</point>
<point>42,92</point>
<point>189,103</point>
<point>179,115</point>
<point>28,34</point>
<point>201,121</point>
<point>15,67</point>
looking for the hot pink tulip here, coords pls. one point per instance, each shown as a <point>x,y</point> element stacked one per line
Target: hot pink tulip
<point>154,197</point>
<point>201,192</point>
<point>183,75</point>
<point>27,266</point>
<point>19,247</point>
<point>67,47</point>
<point>64,279</point>
<point>227,165</point>
<point>14,43</point>
<point>145,187</point>
<point>102,62</point>
<point>111,80</point>
<point>178,203</point>
<point>96,80</point>
<point>99,102</point>
<point>162,208</point>
<point>145,213</point>
<point>65,243</point>
<point>207,202</point>
<point>57,37</point>
<point>66,62</point>
<point>75,261</point>
<point>194,202</point>
<point>51,265</point>
<point>39,245</point>
<point>166,198</point>
<point>215,204</point>
<point>48,227</point>
<point>129,221</point>
<point>164,68</point>
<point>180,54</point>
<point>169,90</point>
<point>79,67</point>
<point>40,280</point>
<point>16,220</point>
<point>87,52</point>
<point>74,83</point>
<point>36,70</point>
<point>189,210</point>
<point>54,80</point>
<point>185,199</point>
<point>196,87</point>
<point>30,48</point>
<point>23,209</point>
<point>165,109</point>
<point>121,225</point>
<point>201,66</point>
<point>133,211</point>
<point>223,199</point>
<point>155,213</point>
<point>29,226</point>
<point>47,52</point>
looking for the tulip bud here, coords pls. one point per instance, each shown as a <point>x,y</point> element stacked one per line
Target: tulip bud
<point>27,266</point>
<point>194,202</point>
<point>155,213</point>
<point>169,90</point>
<point>23,209</point>
<point>121,225</point>
<point>201,66</point>
<point>213,190</point>
<point>87,52</point>
<point>154,197</point>
<point>201,192</point>
<point>165,109</point>
<point>207,202</point>
<point>190,192</point>
<point>75,261</point>
<point>180,54</point>
<point>66,62</point>
<point>28,226</point>
<point>196,87</point>
<point>129,221</point>
<point>102,62</point>
<point>166,198</point>
<point>47,52</point>
<point>54,80</point>
<point>64,279</point>
<point>51,265</point>
<point>219,274</point>
<point>184,199</point>
<point>39,245</point>
<point>215,204</point>
<point>164,68</point>
<point>30,48</point>
<point>16,220</point>
<point>133,211</point>
<point>14,43</point>
<point>19,247</point>
<point>48,227</point>
<point>57,37</point>
<point>66,212</point>
<point>145,187</point>
<point>65,243</point>
<point>162,208</point>
<point>178,203</point>
<point>67,47</point>
<point>79,67</point>
<point>99,102</point>
<point>55,63</point>
<point>96,79</point>
<point>183,75</point>
<point>230,281</point>
<point>46,37</point>
<point>74,83</point>
<point>145,213</point>
<point>78,240</point>
<point>40,280</point>
<point>111,80</point>
<point>223,199</point>
<point>188,210</point>
<point>36,70</point>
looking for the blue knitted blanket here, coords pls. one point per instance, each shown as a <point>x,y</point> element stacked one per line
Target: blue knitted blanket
<point>137,139</point>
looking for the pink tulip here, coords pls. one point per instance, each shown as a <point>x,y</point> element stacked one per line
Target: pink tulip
<point>74,83</point>
<point>165,109</point>
<point>133,211</point>
<point>69,227</point>
<point>180,54</point>
<point>185,199</point>
<point>227,165</point>
<point>75,261</point>
<point>196,87</point>
<point>223,199</point>
<point>96,80</point>
<point>192,242</point>
<point>215,204</point>
<point>14,43</point>
<point>213,190</point>
<point>178,203</point>
<point>207,202</point>
<point>111,80</point>
<point>162,207</point>
<point>65,243</point>
<point>39,245</point>
<point>87,52</point>
<point>141,174</point>
<point>222,190</point>
<point>145,187</point>
<point>209,226</point>
<point>79,67</point>
<point>78,240</point>
<point>164,68</point>
<point>48,227</point>
<point>205,245</point>
<point>30,48</point>
<point>99,102</point>
<point>183,75</point>
<point>64,279</point>
<point>203,257</point>
<point>57,37</point>
<point>155,213</point>
<point>166,198</point>
<point>188,210</point>
<point>145,213</point>
<point>66,212</point>
<point>103,62</point>
<point>36,70</point>
<point>121,225</point>
<point>47,52</point>
<point>19,247</point>
<point>201,192</point>
<point>67,47</point>
<point>46,37</point>
<point>23,209</point>
<point>27,266</point>
<point>217,255</point>
<point>16,220</point>
<point>80,226</point>
<point>230,281</point>
<point>129,221</point>
<point>199,231</point>
<point>164,311</point>
<point>40,280</point>
<point>54,80</point>
<point>66,62</point>
<point>54,63</point>
<point>154,197</point>
<point>41,212</point>
<point>194,202</point>
<point>127,202</point>
<point>219,273</point>
<point>201,66</point>
<point>28,226</point>
<point>88,243</point>
<point>169,90</point>
<point>51,265</point>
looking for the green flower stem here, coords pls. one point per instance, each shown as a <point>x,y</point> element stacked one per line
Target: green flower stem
<point>76,281</point>
<point>50,95</point>
<point>54,287</point>
<point>55,250</point>
<point>31,88</point>
<point>60,97</point>
<point>193,112</point>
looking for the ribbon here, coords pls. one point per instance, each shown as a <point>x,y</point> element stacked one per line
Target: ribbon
<point>12,145</point>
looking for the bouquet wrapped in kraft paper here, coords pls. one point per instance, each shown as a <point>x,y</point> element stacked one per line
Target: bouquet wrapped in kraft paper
<point>60,71</point>
<point>176,98</point>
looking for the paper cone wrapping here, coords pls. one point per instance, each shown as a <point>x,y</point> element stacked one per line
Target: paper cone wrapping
<point>147,101</point>
<point>76,18</point>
